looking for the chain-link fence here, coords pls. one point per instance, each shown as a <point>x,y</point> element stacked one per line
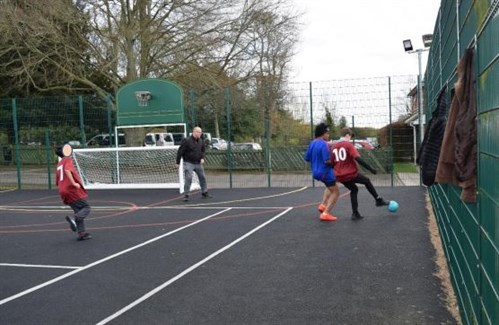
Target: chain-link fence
<point>378,109</point>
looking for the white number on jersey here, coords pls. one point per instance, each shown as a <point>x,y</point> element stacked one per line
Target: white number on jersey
<point>60,169</point>
<point>340,155</point>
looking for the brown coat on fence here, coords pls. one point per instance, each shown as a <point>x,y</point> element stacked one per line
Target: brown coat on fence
<point>458,156</point>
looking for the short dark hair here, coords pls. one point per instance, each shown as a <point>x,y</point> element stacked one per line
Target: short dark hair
<point>346,131</point>
<point>58,151</point>
<point>320,129</point>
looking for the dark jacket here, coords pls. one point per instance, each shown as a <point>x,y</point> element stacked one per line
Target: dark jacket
<point>430,148</point>
<point>191,150</point>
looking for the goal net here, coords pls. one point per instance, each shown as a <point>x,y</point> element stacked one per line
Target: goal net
<point>131,167</point>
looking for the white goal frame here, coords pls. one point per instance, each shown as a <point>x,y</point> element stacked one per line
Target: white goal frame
<point>160,181</point>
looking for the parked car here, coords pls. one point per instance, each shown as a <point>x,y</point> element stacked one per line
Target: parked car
<point>218,144</point>
<point>151,139</point>
<point>247,146</point>
<point>361,144</point>
<point>74,143</point>
<point>104,140</point>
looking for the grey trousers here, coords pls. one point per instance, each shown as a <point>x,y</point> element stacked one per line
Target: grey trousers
<point>189,170</point>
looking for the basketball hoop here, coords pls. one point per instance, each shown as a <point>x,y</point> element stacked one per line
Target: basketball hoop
<point>143,97</point>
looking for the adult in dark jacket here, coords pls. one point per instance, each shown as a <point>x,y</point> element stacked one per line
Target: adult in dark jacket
<point>192,151</point>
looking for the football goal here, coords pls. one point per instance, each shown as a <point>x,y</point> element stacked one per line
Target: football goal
<point>131,167</point>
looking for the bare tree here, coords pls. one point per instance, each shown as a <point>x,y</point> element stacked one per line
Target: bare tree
<point>275,33</point>
<point>43,47</point>
<point>98,45</point>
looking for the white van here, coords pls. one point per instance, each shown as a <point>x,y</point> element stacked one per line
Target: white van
<point>218,144</point>
<point>151,139</point>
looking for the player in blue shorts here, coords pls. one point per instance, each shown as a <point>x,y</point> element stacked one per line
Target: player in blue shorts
<point>319,157</point>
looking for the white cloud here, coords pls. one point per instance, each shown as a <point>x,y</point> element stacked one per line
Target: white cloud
<point>361,38</point>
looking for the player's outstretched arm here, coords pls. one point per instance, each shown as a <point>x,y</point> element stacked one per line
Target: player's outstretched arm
<point>366,165</point>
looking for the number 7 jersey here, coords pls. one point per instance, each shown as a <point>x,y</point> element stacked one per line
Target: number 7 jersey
<point>68,192</point>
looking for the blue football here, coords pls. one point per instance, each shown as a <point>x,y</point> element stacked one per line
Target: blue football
<point>393,206</point>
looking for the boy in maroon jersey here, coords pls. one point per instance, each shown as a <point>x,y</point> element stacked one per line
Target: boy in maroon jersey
<point>345,158</point>
<point>72,191</point>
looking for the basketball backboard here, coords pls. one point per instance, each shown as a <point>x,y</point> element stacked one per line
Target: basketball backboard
<point>148,101</point>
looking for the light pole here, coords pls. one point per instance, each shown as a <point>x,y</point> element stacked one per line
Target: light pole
<point>427,39</point>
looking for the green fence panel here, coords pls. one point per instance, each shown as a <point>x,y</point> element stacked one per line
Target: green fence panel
<point>470,231</point>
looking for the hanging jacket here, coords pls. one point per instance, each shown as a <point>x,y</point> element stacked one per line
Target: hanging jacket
<point>430,148</point>
<point>458,162</point>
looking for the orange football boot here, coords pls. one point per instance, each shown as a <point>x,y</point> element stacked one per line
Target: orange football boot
<point>327,217</point>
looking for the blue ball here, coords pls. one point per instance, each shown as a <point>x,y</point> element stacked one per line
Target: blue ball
<point>393,206</point>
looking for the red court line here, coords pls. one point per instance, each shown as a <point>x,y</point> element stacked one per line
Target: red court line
<point>133,207</point>
<point>143,225</point>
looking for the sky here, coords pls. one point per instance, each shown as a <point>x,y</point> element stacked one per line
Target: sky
<point>361,38</point>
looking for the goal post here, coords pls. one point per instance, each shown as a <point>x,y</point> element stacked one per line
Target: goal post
<point>131,168</point>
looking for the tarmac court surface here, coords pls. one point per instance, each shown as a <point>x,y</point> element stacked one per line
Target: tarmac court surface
<point>244,256</point>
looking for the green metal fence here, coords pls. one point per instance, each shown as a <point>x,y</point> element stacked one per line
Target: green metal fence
<point>470,232</point>
<point>31,127</point>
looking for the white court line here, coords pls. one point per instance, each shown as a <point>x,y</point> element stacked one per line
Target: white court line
<point>48,208</point>
<point>188,270</point>
<point>42,285</point>
<point>41,266</point>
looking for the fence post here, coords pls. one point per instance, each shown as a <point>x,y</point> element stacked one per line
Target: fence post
<point>82,124</point>
<point>353,128</point>
<point>266,153</point>
<point>311,118</point>
<point>16,137</point>
<point>229,149</point>
<point>48,151</point>
<point>193,108</point>
<point>109,117</point>
<point>390,152</point>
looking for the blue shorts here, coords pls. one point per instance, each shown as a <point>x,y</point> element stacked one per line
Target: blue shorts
<point>328,178</point>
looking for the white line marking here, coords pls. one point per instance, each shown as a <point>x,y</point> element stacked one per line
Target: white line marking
<point>270,196</point>
<point>188,270</point>
<point>41,266</point>
<point>47,208</point>
<point>42,285</point>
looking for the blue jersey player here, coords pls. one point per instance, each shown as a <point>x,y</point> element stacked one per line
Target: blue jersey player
<point>319,157</point>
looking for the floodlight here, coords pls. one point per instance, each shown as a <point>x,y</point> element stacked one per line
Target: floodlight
<point>407,45</point>
<point>427,39</point>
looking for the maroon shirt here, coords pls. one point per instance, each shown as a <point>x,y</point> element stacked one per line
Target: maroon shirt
<point>68,192</point>
<point>343,154</point>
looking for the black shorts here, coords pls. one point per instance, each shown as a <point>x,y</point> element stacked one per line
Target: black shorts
<point>329,183</point>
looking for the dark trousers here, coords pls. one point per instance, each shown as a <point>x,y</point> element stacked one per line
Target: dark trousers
<point>81,210</point>
<point>354,190</point>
